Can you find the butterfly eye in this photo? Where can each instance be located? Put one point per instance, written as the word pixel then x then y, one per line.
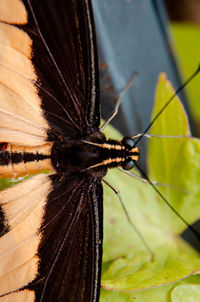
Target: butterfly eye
pixel 128 164
pixel 128 142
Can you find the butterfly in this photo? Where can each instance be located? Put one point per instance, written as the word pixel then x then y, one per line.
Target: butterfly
pixel 52 224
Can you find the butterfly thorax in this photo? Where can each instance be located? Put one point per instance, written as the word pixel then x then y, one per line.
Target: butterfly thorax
pixel 93 155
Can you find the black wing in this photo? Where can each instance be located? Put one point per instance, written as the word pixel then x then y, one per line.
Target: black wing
pixel 50 246
pixel 60 259
pixel 48 60
pixel 71 248
pixel 65 62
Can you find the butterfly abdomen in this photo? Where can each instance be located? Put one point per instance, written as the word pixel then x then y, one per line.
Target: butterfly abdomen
pixel 17 160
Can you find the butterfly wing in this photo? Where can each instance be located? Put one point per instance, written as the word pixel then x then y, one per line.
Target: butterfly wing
pixel 57 257
pixel 51 227
pixel 70 260
pixel 65 60
pixel 48 66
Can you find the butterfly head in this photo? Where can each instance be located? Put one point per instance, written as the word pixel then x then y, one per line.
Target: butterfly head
pixel 131 153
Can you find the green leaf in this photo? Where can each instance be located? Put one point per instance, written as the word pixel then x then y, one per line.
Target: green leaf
pixel 166 293
pixel 187 42
pixel 4 183
pixel 128 272
pixel 174 161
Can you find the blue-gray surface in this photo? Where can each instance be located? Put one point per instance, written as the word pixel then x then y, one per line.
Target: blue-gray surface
pixel 132 37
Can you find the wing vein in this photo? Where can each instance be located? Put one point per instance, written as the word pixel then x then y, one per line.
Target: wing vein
pixel 45 91
pixel 52 58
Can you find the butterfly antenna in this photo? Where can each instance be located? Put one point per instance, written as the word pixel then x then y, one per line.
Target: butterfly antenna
pixel 168 204
pixel 170 100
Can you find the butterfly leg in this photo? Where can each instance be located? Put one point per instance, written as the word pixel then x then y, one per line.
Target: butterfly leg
pixel 129 218
pixel 118 101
